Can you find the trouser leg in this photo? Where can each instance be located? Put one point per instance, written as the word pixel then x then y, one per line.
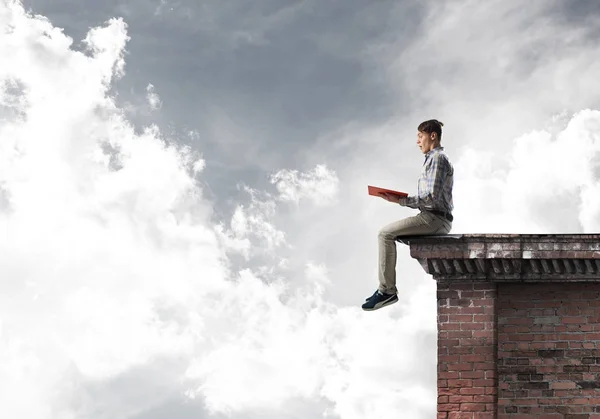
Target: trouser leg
pixel 421 224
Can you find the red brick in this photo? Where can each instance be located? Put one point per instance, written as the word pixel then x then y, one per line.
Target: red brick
pixel 474 310
pixel 454 334
pixel 464 286
pixel 473 407
pixel 573 336
pixel 460 415
pixel 460 383
pixel 450 310
pixel 483 302
pixel 461 399
pixel 446 391
pixel 484 399
pixel 461 350
pixel 483 383
pixel 485 366
pixel 472 326
pixel 483 318
pixel 461 318
pixel 449 358
pixel 484 334
pixel 519 320
pixel 449 326
pixel 519 337
pixel 479 294
pixel 473 390
pixel 473 358
pixel 487 349
pixel 448 407
pixel 473 374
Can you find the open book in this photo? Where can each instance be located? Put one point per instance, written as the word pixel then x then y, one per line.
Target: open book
pixel 376 191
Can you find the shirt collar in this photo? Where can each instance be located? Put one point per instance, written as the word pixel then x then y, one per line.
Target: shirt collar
pixel 435 150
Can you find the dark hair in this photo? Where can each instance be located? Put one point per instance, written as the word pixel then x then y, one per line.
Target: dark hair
pixel 433 125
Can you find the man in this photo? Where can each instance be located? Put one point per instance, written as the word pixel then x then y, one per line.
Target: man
pixel 433 199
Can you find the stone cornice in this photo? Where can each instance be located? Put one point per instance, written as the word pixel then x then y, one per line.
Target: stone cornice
pixel 509 257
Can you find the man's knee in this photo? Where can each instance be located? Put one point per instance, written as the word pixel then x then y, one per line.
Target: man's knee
pixel 386 235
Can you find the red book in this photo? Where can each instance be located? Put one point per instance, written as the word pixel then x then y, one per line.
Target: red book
pixel 376 191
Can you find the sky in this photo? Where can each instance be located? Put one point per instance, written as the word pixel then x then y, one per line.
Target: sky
pixel 185 225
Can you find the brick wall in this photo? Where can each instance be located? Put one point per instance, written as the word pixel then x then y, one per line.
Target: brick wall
pixel 518 324
pixel 548 351
pixel 467 350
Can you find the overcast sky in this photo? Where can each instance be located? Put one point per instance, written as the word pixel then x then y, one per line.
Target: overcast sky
pixel 185 225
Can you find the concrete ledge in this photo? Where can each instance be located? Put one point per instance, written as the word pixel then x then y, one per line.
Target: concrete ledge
pixel 508 257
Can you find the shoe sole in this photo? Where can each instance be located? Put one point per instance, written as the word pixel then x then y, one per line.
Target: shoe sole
pixel 382 304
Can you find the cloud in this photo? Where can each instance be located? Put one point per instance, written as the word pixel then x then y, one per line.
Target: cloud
pixel 153 98
pixel 319 185
pixel 549 184
pixel 106 238
pixel 251 232
pixel 305 347
pixel 252 226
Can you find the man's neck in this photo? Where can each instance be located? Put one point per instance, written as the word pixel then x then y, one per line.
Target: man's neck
pixel 433 147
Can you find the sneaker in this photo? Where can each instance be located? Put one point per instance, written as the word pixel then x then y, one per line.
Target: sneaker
pixel 374 294
pixel 379 300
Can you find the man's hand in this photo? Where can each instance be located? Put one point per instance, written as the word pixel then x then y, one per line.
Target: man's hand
pixel 389 197
pixel 393 198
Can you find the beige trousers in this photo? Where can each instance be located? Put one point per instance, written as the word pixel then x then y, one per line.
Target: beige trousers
pixel 424 223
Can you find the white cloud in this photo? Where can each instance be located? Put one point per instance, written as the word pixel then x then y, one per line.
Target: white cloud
pixel 251 231
pixel 549 184
pixel 153 98
pixel 320 185
pixel 305 347
pixel 93 253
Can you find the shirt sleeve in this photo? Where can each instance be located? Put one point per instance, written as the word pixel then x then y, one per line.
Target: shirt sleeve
pixel 412 201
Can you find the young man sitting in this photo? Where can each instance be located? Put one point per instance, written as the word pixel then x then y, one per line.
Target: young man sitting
pixel 433 199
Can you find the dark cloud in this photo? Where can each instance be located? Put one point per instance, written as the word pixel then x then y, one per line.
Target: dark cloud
pixel 577 11
pixel 258 83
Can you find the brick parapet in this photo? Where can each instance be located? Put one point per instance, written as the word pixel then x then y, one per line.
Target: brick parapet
pixel 467 350
pixel 518 324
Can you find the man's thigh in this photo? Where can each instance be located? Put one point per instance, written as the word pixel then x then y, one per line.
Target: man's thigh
pixel 422 223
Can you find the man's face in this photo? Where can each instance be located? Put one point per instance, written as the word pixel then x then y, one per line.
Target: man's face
pixel 424 141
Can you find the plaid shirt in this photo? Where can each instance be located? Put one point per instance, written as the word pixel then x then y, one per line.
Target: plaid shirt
pixel 435 183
